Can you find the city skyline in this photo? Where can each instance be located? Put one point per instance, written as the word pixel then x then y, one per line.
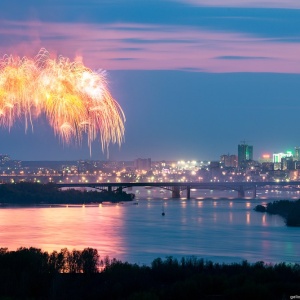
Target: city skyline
pixel 244 153
pixel 193 77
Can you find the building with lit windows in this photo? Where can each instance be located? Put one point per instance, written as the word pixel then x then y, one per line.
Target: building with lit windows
pixel 283 161
pixel 277 157
pixel 230 161
pixel 297 154
pixel 245 154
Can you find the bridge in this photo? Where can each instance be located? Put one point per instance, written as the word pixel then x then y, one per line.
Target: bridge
pixel 177 187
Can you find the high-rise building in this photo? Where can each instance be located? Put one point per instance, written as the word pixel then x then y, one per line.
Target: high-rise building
pixel 245 153
pixel 297 154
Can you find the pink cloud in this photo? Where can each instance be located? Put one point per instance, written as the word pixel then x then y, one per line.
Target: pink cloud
pixel 150 47
pixel 247 3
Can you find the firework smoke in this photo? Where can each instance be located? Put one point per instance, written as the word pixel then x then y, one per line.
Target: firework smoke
pixel 75 100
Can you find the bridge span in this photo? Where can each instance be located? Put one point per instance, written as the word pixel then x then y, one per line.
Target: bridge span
pixel 177 187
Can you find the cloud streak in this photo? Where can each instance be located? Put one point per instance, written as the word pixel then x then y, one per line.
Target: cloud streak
pixel 151 47
pixel 264 21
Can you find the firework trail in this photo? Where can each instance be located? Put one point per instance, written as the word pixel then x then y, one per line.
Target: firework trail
pixel 74 99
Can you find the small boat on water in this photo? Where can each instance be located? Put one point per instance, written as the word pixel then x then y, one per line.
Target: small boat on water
pixel 162 211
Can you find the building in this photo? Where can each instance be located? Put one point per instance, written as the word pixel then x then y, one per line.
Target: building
pixel 245 154
pixel 287 163
pixel 297 154
pixel 215 170
pixel 282 160
pixel 277 157
pixel 266 157
pixel 229 161
pixel 142 164
pixel 267 167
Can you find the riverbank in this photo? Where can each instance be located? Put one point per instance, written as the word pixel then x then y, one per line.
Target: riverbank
pixel 25 193
pixel 289 210
pixel 30 273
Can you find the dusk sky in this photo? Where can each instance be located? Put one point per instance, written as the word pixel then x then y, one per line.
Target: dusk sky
pixel 194 77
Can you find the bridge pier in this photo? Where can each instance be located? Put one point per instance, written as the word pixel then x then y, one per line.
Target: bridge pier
pixel 254 192
pixel 175 192
pixel 241 192
pixel 188 192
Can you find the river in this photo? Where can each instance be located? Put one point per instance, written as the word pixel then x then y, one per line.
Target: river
pixel 218 229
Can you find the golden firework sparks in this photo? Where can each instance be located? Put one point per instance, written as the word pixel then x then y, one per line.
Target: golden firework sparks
pixel 75 99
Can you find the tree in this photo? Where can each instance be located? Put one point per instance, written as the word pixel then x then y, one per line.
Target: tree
pixel 90 260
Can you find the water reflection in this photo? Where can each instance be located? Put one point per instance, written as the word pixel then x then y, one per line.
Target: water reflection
pixel 248 217
pixel 153 193
pixel 230 217
pixel 223 230
pixel 263 220
pixel 53 228
pixel 215 217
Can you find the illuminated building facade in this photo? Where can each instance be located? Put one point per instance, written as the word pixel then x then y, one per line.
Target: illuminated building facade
pixel 277 157
pixel 265 158
pixel 283 161
pixel 245 154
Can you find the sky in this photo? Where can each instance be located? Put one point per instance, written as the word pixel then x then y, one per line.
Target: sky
pixel 194 77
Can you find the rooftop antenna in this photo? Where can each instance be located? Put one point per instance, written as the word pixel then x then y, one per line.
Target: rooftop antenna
pixel 244 142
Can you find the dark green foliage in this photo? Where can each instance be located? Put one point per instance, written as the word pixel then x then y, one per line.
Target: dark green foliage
pixel 26 193
pixel 289 210
pixel 30 273
pixel 260 208
pixel 89 260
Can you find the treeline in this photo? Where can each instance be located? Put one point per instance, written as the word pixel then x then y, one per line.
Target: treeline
pixel 289 210
pixel 30 273
pixel 25 193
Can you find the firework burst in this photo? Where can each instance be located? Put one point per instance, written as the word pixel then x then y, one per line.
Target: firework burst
pixel 75 100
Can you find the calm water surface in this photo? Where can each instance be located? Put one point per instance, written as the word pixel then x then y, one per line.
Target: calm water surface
pixel 221 230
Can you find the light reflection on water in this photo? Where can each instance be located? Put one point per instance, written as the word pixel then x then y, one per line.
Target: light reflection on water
pixel 221 230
